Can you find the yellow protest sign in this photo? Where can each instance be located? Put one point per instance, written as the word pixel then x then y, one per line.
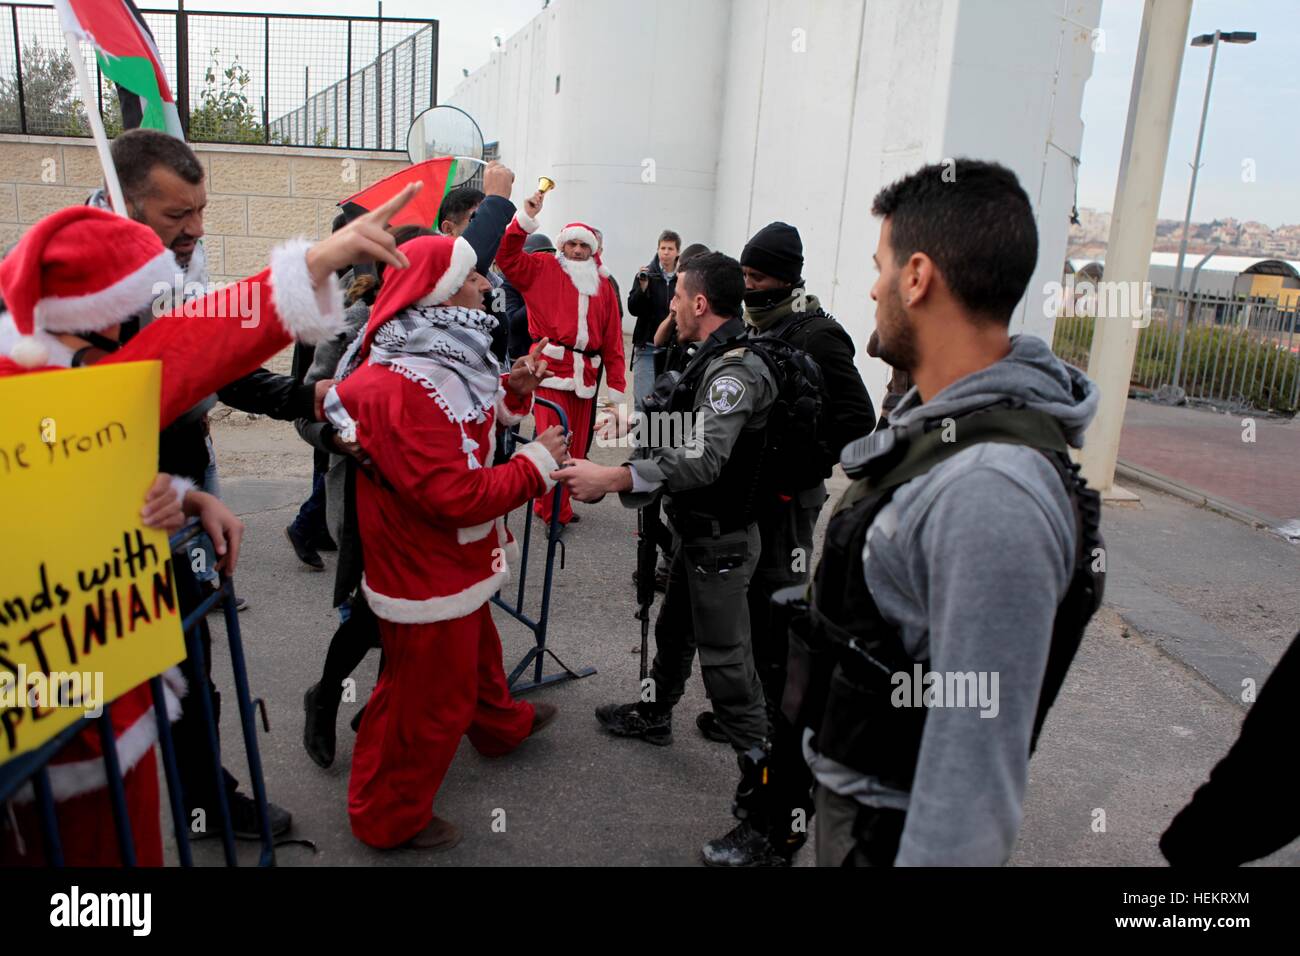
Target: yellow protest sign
pixel 87 603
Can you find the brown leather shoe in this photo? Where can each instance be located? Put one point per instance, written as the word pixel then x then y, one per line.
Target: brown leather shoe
pixel 440 834
pixel 543 714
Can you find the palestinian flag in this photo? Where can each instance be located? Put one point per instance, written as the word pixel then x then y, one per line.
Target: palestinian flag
pixel 127 55
pixel 437 176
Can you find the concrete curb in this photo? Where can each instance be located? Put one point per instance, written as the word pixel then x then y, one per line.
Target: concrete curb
pixel 1153 479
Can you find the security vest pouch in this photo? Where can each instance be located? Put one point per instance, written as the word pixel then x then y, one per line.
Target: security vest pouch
pixel 843 655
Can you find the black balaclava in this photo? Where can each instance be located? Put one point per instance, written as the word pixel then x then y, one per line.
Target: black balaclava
pixel 777 251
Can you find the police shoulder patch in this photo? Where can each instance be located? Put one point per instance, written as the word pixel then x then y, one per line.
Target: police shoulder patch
pixel 725 393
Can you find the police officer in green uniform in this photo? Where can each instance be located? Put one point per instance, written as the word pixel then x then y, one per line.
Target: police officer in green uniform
pixel 701 445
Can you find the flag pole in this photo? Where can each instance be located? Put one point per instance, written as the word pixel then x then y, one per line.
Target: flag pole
pixel 73 40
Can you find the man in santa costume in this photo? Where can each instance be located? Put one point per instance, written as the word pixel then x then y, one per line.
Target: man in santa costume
pixel 421 392
pixel 571 306
pixel 68 285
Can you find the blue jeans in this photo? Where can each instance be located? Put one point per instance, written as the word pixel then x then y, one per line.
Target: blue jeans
pixel 643 373
pixel 212 486
pixel 310 522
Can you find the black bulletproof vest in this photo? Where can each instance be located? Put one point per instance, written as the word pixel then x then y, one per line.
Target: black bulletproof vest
pixel 859 725
pixel 731 502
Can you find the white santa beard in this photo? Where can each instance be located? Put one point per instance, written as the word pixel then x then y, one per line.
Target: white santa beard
pixel 582 274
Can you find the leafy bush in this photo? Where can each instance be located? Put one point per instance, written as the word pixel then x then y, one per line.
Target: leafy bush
pixel 222 112
pixel 1219 362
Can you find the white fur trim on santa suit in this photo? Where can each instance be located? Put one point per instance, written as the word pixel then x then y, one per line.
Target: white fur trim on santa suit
pixel 476 533
pixel 448 607
pixel 578 387
pixel 526 222
pixel 577 234
pixel 463 261
pixel 32 351
pixel 583 334
pixel 181 487
pixel 112 304
pixel 577 382
pixel 511 546
pixel 617 398
pixel 506 417
pixel 70 780
pixel 310 315
pixel 174 681
pixel 541 459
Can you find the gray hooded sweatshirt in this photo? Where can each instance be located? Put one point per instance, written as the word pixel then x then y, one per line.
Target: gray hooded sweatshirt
pixel 970 561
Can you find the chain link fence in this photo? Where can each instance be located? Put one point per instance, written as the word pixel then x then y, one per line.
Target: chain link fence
pixel 1240 352
pixel 279 79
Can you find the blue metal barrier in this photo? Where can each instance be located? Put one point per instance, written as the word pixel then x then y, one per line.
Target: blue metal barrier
pixel 536 655
pixel 32 766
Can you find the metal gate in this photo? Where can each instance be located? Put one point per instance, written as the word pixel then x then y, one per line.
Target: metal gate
pixel 33 767
pixel 536 655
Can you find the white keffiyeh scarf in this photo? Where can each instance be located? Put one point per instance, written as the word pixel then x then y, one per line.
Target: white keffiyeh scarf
pixel 446 349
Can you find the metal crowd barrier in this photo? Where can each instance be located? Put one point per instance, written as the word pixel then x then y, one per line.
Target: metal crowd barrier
pixel 537 654
pixel 32 766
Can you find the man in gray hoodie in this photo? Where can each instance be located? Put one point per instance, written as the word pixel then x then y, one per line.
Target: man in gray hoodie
pixel 969 561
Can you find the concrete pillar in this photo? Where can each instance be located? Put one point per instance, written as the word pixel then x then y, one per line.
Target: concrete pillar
pixel 1132 227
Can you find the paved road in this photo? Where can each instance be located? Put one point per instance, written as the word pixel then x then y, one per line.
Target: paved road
pixel 1252 460
pixel 1135 731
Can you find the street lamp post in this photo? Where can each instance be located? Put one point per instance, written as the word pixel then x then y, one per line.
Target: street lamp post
pixel 1210 40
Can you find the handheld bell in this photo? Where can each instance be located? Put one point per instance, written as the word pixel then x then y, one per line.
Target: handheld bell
pixel 545 184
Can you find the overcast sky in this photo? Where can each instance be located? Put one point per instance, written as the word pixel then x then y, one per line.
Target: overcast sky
pixel 1253 113
pixel 465 27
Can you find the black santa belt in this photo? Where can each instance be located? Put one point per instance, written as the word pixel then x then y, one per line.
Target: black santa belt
pixel 590 353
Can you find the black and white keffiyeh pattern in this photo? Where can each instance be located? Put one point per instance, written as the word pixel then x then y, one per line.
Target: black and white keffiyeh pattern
pixel 446 349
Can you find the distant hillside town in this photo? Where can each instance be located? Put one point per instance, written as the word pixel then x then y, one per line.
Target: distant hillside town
pixel 1233 237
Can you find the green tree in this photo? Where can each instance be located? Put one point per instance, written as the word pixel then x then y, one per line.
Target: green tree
pixel 223 113
pixel 51 96
pixel 49 93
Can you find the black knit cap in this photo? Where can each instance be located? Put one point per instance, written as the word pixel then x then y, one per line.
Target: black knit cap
pixel 777 251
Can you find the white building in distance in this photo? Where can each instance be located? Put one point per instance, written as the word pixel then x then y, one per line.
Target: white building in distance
pixel 715 117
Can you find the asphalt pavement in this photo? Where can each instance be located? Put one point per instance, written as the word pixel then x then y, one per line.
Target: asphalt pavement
pixel 1138 726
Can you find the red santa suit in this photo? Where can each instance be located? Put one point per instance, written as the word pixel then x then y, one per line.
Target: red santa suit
pixel 430 508
pixel 83 269
pixel 582 323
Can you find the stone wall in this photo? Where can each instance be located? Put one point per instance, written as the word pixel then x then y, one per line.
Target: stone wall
pixel 257 195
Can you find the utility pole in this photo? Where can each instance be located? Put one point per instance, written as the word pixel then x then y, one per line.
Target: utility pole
pixel 1133 226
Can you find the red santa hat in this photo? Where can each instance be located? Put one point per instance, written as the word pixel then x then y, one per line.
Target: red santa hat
pixel 81 269
pixel 581 232
pixel 439 267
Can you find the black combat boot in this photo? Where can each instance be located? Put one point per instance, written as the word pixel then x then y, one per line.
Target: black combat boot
pixel 744 846
pixel 637 720
pixel 749 842
pixel 708 725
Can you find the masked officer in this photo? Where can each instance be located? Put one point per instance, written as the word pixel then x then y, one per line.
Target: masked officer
pixel 708 465
pixel 777 305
